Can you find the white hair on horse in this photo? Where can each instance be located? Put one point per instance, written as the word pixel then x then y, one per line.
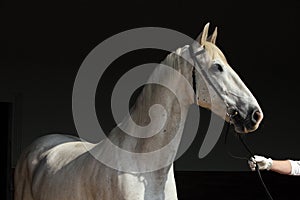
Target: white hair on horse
pixel 61 167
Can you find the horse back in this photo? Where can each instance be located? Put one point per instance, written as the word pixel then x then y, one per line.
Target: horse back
pixel 32 162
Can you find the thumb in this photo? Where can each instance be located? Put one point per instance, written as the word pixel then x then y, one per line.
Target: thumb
pixel 259 158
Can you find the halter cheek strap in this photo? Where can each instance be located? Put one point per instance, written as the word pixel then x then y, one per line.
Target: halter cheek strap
pixel 194 85
pixel 193 56
pixel 216 88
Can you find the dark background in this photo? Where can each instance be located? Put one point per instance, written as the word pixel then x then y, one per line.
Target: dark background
pixel 43 44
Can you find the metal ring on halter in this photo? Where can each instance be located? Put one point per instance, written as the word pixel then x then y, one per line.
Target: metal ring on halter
pixel 231 112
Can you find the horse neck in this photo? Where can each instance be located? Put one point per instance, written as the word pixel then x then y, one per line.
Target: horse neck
pixel 175 113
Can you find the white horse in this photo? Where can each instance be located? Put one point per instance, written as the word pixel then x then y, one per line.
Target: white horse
pixel 62 167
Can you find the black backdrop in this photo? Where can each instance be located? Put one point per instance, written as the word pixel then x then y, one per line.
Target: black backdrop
pixel 45 43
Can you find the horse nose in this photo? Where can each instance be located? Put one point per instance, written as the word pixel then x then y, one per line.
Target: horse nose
pixel 256 116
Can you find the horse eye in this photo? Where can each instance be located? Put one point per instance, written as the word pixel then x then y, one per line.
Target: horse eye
pixel 218 67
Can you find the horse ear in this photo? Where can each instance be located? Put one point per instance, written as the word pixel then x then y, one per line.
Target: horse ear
pixel 203 35
pixel 213 37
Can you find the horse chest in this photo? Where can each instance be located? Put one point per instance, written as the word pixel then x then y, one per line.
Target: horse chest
pixel 147 186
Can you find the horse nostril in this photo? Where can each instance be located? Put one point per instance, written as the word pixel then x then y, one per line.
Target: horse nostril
pixel 256 116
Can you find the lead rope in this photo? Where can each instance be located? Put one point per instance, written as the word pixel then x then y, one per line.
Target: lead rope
pixel 251 156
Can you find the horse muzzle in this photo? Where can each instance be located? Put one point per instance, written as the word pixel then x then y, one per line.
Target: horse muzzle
pixel 246 124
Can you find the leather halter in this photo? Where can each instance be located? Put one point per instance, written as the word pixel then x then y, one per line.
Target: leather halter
pixel 230 111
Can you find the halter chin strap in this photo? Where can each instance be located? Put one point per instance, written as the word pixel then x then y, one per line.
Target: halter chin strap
pixel 230 111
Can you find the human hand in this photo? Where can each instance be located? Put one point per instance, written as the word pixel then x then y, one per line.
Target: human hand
pixel 262 162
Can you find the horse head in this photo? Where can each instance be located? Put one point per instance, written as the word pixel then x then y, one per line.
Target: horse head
pixel 219 88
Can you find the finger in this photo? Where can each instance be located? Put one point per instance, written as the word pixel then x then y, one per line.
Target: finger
pixel 251 164
pixel 252 160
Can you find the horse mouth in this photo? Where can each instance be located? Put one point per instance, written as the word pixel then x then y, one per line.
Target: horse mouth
pixel 243 129
pixel 245 125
